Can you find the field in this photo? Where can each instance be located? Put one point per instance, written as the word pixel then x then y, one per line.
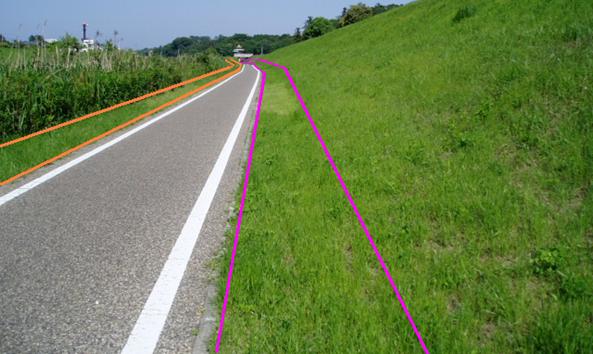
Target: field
pixel 464 131
pixel 136 75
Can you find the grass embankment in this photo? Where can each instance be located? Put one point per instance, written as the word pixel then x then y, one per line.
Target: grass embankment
pixel 468 146
pixel 24 155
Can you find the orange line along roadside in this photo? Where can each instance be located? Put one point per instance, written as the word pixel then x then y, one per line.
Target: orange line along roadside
pixel 119 127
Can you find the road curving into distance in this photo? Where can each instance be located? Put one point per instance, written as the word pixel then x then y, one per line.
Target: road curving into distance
pixel 81 249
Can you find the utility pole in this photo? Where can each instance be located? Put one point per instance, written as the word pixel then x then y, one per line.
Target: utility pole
pixel 261 52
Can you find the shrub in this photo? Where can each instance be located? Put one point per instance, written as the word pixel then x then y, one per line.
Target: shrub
pixel 464 12
pixel 576 33
pixel 316 27
pixel 545 261
pixel 355 13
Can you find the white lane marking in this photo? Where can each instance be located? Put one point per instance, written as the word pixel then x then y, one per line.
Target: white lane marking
pixel 51 174
pixel 148 327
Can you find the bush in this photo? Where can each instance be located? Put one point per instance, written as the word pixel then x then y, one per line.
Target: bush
pixel 355 13
pixel 316 27
pixel 574 33
pixel 545 261
pixel 464 12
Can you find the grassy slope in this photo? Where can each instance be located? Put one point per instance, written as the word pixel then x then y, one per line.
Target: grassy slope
pixel 469 149
pixel 21 156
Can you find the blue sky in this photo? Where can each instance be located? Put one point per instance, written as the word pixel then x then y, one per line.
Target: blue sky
pixel 149 23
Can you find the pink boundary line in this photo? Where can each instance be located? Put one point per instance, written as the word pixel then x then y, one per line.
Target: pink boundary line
pixel 349 196
pixel 342 184
pixel 240 216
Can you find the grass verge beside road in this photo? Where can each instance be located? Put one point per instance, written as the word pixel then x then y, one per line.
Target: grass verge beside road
pixel 21 156
pixel 464 131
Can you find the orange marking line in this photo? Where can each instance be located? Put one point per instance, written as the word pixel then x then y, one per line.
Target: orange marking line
pixel 121 104
pixel 119 127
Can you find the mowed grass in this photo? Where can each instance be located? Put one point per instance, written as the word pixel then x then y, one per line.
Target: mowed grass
pixel 468 147
pixel 24 155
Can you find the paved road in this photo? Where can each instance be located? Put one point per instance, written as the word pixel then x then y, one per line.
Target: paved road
pixel 80 253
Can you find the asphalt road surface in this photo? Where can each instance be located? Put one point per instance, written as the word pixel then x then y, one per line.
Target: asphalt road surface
pixel 81 253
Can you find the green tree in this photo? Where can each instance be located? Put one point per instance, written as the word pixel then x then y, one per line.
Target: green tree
pixel 379 8
pixel 182 43
pixel 298 36
pixel 355 13
pixel 4 42
pixel 68 41
pixel 223 44
pixel 109 46
pixel 36 39
pixel 318 26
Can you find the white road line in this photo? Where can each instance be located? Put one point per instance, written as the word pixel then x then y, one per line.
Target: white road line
pixel 51 174
pixel 148 327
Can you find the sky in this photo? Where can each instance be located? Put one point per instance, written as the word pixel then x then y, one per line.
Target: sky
pixel 150 23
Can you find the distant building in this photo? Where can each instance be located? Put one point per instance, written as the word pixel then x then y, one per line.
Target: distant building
pixel 240 54
pixel 50 40
pixel 87 43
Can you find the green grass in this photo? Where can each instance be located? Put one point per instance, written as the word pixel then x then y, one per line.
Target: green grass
pixel 468 147
pixel 21 156
pixel 5 53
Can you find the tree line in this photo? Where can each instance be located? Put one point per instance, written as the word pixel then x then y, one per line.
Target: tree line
pixel 65 42
pixel 266 43
pixel 318 26
pixel 224 45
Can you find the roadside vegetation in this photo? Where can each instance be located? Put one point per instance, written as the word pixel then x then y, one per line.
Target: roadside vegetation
pixel 464 130
pixel 41 87
pixel 44 85
pixel 24 155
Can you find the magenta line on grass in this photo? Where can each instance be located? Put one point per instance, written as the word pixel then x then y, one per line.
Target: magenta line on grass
pixel 349 196
pixel 240 216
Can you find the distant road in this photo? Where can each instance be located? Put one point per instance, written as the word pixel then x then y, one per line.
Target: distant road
pixel 81 252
